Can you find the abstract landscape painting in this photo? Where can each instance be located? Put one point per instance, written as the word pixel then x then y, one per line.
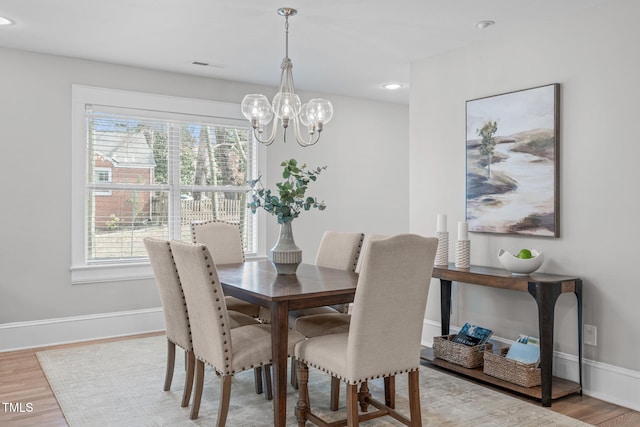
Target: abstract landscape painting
pixel 512 165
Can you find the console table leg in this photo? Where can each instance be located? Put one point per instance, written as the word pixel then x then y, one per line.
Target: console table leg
pixel 578 293
pixel 445 305
pixel 546 295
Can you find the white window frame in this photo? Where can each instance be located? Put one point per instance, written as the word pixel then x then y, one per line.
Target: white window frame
pixel 81 271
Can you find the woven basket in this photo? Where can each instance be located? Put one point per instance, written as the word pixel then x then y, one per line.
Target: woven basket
pixel 460 354
pixel 522 374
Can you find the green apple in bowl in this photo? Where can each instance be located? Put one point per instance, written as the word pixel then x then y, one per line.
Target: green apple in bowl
pixel 525 254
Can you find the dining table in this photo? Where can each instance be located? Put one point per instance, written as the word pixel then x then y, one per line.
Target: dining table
pixel 311 286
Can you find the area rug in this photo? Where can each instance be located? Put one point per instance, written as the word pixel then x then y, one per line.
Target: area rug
pixel 120 384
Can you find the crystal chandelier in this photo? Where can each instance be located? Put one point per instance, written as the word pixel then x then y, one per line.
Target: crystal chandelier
pixel 286 105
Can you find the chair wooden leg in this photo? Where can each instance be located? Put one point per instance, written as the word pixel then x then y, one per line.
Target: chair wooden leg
pixel 199 383
pixel 294 373
pixel 414 399
pixel 390 391
pixel 303 406
pixel 257 379
pixel 335 393
pixel 225 396
pixel 188 380
pixel 171 361
pixel 352 405
pixel 267 383
pixel 363 396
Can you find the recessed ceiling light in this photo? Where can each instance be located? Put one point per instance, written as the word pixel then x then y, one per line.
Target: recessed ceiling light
pixel 484 24
pixel 392 86
pixel 5 21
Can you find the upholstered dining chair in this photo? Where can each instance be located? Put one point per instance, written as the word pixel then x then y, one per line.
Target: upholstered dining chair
pixel 339 250
pixel 384 336
pixel 224 241
pixel 228 351
pixel 315 325
pixel 176 318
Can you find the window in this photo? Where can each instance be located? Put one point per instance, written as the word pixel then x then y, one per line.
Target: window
pixel 148 165
pixel 103 175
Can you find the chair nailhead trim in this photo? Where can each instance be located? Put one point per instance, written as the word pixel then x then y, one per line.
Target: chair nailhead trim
pixel 360 380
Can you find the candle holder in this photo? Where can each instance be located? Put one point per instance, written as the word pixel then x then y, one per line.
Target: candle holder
pixel 463 251
pixel 442 253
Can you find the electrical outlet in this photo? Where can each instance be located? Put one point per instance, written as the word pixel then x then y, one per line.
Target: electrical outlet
pixel 590 334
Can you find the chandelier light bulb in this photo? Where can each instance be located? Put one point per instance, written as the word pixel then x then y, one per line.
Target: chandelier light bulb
pixel 286 105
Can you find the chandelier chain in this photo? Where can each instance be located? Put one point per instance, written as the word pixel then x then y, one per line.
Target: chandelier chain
pixel 286 37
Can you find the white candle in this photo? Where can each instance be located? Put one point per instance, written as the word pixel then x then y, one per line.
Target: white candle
pixel 442 223
pixel 463 230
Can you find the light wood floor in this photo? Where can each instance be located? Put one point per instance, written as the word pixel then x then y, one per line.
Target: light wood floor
pixel 23 381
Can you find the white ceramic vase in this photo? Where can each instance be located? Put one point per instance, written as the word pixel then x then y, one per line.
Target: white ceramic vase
pixel 285 255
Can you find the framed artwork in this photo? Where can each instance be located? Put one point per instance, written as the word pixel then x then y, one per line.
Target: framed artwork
pixel 512 162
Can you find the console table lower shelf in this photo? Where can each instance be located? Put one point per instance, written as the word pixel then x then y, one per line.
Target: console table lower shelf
pixel 560 388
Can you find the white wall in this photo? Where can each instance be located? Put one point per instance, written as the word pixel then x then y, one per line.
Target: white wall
pixel 365 148
pixel 595 58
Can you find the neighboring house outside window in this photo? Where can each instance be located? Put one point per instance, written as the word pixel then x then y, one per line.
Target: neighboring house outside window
pixel 154 165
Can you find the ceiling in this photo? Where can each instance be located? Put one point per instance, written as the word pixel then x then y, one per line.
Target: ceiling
pixel 347 47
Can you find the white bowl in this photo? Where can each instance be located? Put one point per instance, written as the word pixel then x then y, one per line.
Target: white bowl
pixel 520 266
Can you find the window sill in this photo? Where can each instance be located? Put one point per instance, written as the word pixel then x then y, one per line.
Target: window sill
pixel 119 272
pixel 110 273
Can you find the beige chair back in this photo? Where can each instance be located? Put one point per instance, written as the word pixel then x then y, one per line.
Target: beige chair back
pixel 368 238
pixel 223 239
pixel 176 317
pixel 389 306
pixel 339 250
pixel 207 309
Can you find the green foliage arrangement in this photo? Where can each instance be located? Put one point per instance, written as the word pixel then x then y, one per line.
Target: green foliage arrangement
pixel 291 199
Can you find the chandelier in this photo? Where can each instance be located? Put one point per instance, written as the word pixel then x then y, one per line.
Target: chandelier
pixel 286 105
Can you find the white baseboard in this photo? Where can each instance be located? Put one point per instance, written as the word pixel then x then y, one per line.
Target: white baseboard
pixel 610 383
pixel 40 333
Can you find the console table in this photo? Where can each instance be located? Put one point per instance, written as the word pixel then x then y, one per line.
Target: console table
pixel 545 289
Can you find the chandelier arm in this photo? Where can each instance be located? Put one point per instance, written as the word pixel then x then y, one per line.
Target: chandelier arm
pixel 283 74
pixel 313 139
pixel 267 142
pixel 271 138
pixel 291 88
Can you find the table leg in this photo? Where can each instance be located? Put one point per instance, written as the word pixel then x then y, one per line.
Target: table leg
pixel 445 305
pixel 578 293
pixel 546 295
pixel 279 344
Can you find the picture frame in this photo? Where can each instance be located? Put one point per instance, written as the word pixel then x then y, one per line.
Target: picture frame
pixel 512 162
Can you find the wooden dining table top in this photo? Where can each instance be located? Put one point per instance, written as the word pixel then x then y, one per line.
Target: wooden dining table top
pixel 259 282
